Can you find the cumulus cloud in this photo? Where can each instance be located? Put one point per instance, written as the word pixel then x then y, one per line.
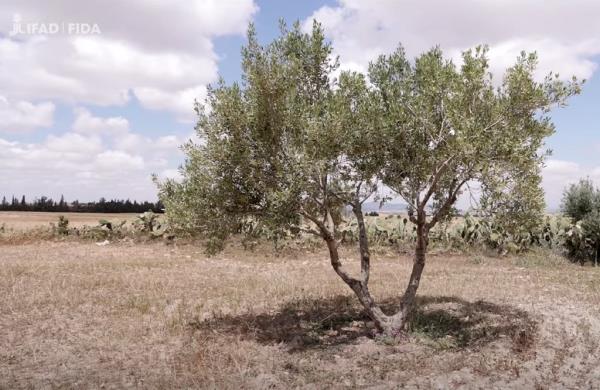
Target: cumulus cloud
pixel 73 145
pixel 559 174
pixel 567 36
pixel 116 134
pixel 86 123
pixel 118 161
pixel 171 174
pixel 160 52
pixel 175 25
pixel 99 156
pixel 181 102
pixel 23 115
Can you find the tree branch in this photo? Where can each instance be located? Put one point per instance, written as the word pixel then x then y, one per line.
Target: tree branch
pixel 310 231
pixel 323 231
pixel 450 200
pixel 363 241
pixel 434 180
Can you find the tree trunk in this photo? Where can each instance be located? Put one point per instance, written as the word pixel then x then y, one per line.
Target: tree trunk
pixel 400 320
pixel 363 244
pixel 394 325
pixel 360 288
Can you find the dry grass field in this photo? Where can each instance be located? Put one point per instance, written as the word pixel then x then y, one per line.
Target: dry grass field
pixel 19 220
pixel 79 315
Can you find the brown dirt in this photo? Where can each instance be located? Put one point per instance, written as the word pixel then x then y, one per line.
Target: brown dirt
pixel 77 315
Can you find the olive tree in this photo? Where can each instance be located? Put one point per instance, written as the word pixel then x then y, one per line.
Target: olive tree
pixel 444 127
pixel 581 203
pixel 291 147
pixel 580 199
pixel 273 153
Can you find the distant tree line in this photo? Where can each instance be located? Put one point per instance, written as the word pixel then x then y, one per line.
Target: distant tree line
pixel 45 203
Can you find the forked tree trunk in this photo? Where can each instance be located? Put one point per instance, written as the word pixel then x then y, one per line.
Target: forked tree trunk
pixel 360 288
pixel 389 325
pixel 400 320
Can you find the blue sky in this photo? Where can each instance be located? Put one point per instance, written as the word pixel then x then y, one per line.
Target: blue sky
pixel 91 115
pixel 577 135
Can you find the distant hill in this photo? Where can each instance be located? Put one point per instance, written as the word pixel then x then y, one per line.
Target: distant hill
pixel 399 207
pixel 392 207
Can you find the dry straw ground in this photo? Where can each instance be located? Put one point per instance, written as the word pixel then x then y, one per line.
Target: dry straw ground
pixel 78 315
pixel 18 220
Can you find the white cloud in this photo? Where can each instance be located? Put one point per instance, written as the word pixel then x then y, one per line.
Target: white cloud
pixel 161 51
pixel 118 161
pixel 115 133
pixel 76 166
pixel 171 174
pixel 71 151
pixel 181 102
pixel 23 115
pixel 567 36
pixel 99 157
pixel 155 25
pixel 86 123
pixel 158 52
pixel 74 143
pixel 134 142
pixel 561 169
pixel 168 142
pixel 559 174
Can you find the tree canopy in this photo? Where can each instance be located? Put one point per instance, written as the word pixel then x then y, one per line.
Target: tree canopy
pixel 580 199
pixel 295 144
